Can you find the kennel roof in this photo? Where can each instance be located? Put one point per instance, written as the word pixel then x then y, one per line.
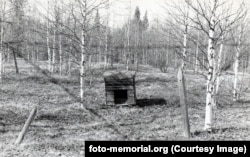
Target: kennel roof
pixel 119 78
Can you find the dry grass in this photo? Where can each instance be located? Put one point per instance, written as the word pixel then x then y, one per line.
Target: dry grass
pixel 61 126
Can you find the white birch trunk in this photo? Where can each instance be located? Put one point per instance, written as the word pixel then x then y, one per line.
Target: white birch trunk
pixel 184 55
pixel 2 58
pixel 107 37
pixel 1 45
pixel 236 67
pixel 60 54
pixel 54 52
pixel 70 60
pixel 99 50
pixel 248 64
pixel 128 50
pixel 219 68
pixel 128 37
pixel 48 42
pixel 210 77
pixel 83 53
pixel 197 53
pixel 168 45
pixel 236 70
pixel 175 60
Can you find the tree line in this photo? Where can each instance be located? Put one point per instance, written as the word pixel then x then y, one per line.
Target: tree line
pixel 207 37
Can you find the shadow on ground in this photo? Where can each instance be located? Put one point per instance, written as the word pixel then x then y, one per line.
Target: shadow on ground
pixel 219 131
pixel 150 102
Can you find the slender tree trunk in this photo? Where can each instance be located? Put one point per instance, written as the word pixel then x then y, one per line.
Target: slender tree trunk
pixel 197 53
pixel 60 55
pixel 236 67
pixel 107 37
pixel 137 46
pixel 203 61
pixel 48 43
pixel 156 57
pixel 54 52
pixel 1 48
pixel 3 5
pixel 128 55
pixel 236 70
pixel 70 59
pixel 37 46
pixel 210 77
pixel 99 50
pixel 184 54
pixel 106 53
pixel 15 62
pixel 83 53
pixel 111 57
pixel 34 47
pixel 28 57
pixel 37 55
pixel 235 90
pixel 175 60
pixel 1 63
pixel 8 53
pixel 2 17
pixel 128 49
pixel 90 61
pixel 69 65
pixel 248 63
pixel 167 55
pixel 219 69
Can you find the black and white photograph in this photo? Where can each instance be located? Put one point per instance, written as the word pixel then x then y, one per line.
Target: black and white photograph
pixel 73 71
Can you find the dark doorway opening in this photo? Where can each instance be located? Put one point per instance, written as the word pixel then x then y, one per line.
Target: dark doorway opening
pixel 121 96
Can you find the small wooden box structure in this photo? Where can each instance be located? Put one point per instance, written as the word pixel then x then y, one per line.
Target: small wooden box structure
pixel 120 87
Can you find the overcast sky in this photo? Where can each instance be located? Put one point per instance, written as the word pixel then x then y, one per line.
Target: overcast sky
pixel 119 10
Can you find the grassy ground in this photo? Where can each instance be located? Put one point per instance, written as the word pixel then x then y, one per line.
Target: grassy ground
pixel 61 125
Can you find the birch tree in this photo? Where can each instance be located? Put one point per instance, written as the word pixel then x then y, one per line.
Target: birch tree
pixel 60 37
pixel 2 17
pixel 56 22
pixel 83 52
pixel 107 36
pixel 210 13
pixel 186 18
pixel 178 21
pixel 17 7
pixel 48 38
pixel 128 55
pixel 238 36
pixel 211 68
pixel 219 66
pixel 197 52
pixel 145 25
pixel 82 14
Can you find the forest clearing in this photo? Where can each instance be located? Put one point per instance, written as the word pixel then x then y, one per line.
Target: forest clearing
pixel 79 70
pixel 61 126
